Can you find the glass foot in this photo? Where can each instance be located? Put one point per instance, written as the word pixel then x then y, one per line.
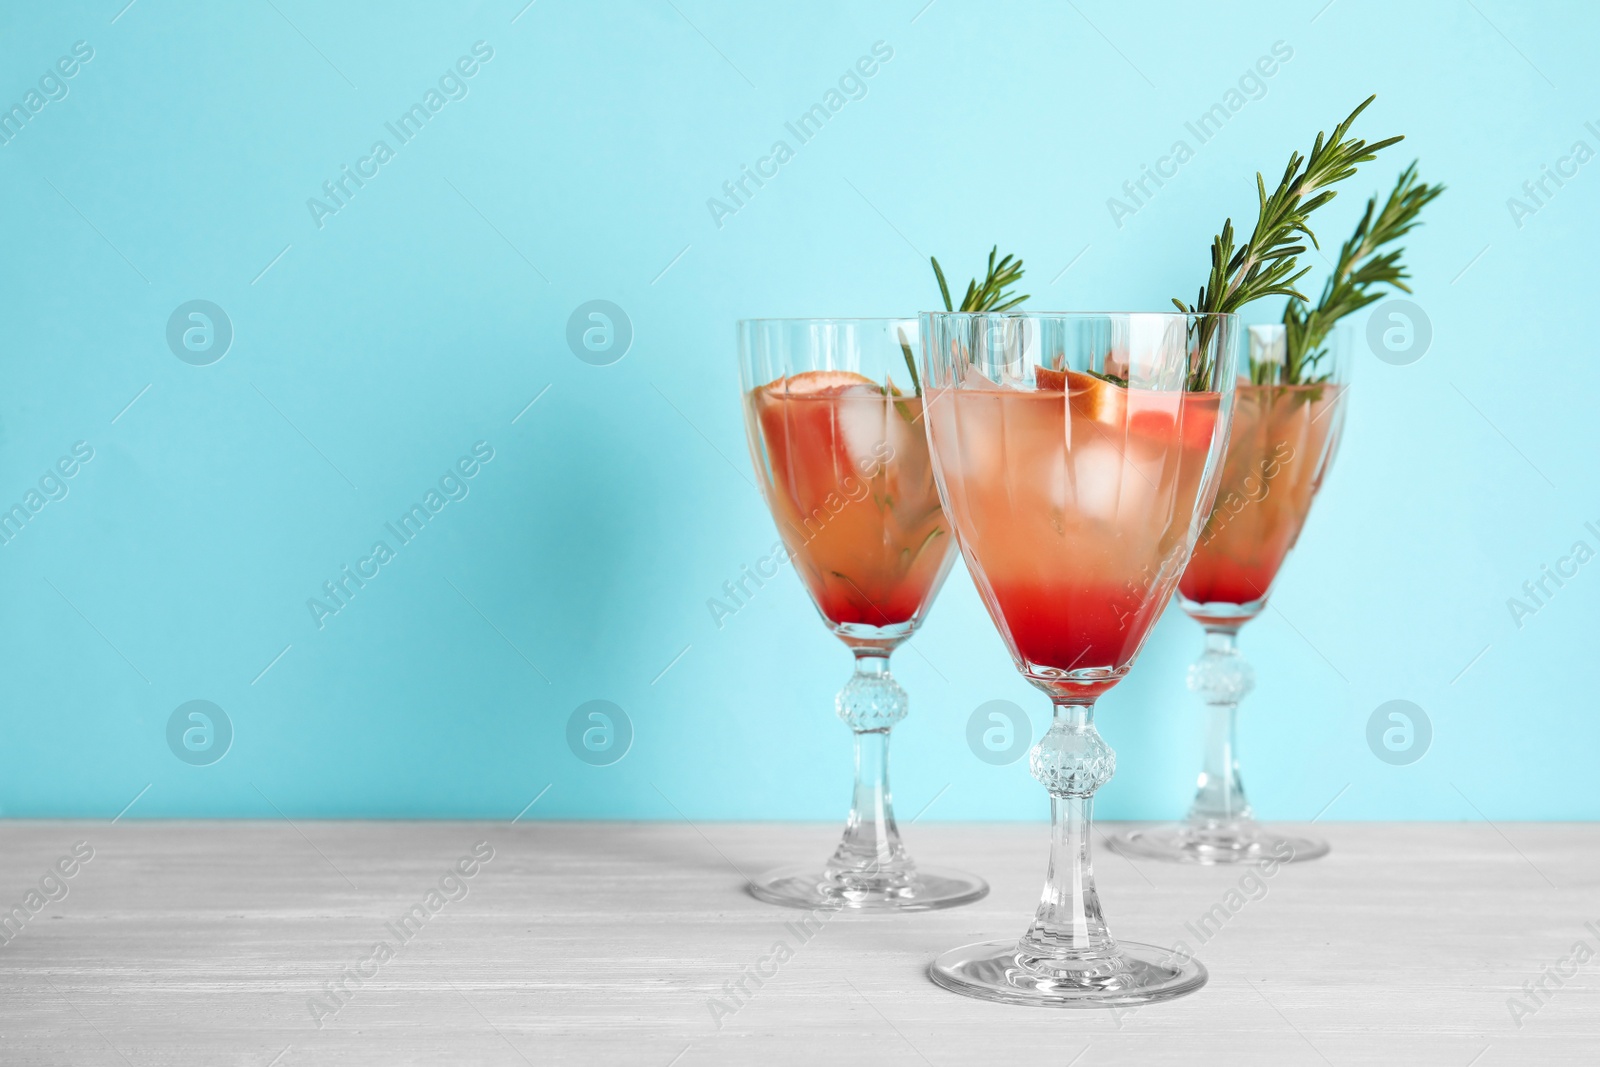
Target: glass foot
pixel 923 889
pixel 1222 844
pixel 1004 971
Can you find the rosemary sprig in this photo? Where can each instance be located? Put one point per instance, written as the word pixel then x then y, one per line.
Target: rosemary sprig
pixel 993 295
pixel 1265 265
pixel 1358 278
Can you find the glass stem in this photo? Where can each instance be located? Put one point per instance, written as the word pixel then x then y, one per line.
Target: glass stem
pixel 1222 678
pixel 1072 761
pixel 870 857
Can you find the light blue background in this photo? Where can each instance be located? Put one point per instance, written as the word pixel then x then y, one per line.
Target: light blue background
pixel 427 313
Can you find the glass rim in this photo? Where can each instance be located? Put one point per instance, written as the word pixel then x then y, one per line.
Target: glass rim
pixel 847 320
pixel 1079 314
pixel 843 320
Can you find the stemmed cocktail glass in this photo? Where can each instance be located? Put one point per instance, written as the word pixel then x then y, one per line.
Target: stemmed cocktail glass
pixel 1283 440
pixel 834 415
pixel 1077 456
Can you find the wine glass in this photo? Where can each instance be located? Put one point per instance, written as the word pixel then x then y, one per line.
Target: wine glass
pixel 1077 456
pixel 833 413
pixel 1287 422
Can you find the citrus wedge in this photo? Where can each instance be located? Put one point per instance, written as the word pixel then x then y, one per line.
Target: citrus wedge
pixel 1091 397
pixel 1097 399
pixel 1049 381
pixel 822 383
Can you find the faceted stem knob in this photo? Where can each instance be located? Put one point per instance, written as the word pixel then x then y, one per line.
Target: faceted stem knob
pixel 1072 759
pixel 1221 675
pixel 871 699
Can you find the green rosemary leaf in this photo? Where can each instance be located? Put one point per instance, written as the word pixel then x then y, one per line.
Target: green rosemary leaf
pixel 944 290
pixel 926 541
pixel 911 364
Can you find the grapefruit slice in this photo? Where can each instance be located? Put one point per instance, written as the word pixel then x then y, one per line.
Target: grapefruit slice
pixel 823 430
pixel 1193 418
pixel 1048 380
pixel 1092 398
pixel 1097 399
pixel 821 383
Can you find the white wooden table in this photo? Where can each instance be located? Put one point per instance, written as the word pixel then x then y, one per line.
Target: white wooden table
pixel 596 943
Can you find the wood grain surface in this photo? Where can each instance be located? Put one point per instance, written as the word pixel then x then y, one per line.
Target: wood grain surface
pixel 598 943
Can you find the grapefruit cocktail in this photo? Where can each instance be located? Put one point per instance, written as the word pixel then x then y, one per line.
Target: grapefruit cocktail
pixel 1283 439
pixel 1288 420
pixel 1076 456
pixel 834 416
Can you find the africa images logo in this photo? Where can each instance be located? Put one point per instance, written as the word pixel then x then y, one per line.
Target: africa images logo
pixel 852 85
pixel 341 189
pixel 53 88
pixel 454 485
